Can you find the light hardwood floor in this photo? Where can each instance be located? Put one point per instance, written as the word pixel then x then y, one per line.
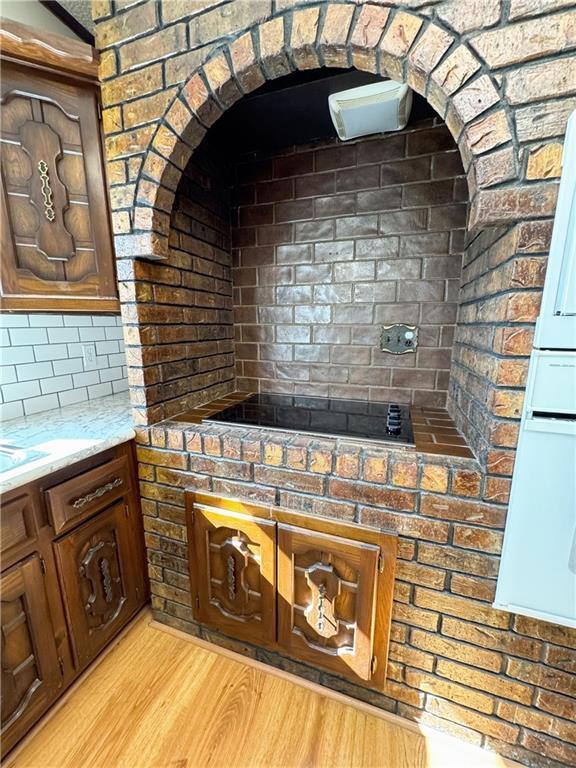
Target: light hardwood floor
pixel 160 699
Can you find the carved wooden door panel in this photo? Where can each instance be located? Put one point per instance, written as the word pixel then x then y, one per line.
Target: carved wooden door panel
pixel 100 578
pixel 30 670
pixel 234 578
pixel 327 600
pixel 56 249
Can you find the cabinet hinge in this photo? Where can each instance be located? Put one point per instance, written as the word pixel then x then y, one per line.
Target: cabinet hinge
pixel 380 563
pixel 99 108
pixel 373 664
pixel 43 565
pixel 61 665
pixel 197 602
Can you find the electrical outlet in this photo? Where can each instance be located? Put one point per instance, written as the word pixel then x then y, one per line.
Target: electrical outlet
pixel 89 355
pixel 398 339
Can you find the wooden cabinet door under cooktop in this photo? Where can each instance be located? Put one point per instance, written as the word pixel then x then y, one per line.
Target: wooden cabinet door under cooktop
pixel 326 600
pixel 56 239
pixel 315 589
pixel 235 561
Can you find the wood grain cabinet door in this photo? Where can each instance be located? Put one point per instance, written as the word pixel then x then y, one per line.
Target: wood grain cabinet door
pixel 30 666
pixel 56 239
pixel 327 600
pixel 102 581
pixel 234 574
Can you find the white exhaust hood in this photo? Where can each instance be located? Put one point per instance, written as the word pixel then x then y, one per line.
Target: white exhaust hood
pixel 375 108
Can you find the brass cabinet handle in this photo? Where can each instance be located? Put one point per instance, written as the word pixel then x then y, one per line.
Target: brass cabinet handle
pixel 46 191
pixel 320 607
pixel 83 500
pixel 231 577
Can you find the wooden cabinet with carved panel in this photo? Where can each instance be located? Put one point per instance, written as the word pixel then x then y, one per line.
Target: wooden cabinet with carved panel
pixel 102 582
pixel 318 590
pixel 56 238
pixel 73 574
pixel 235 563
pixel 30 670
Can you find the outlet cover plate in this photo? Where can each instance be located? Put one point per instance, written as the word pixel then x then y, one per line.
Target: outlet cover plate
pixel 399 339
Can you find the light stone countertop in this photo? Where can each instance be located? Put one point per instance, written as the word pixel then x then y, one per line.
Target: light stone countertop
pixel 65 436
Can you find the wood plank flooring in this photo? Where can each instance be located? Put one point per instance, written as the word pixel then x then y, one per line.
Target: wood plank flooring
pixel 161 699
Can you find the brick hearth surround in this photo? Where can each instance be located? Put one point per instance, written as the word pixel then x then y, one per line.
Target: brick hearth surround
pixel 501 75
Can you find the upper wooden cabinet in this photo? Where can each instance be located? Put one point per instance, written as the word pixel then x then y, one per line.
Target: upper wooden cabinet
pixel 56 238
pixel 318 590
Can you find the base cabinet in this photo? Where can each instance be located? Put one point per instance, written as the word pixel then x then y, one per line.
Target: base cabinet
pixel 31 674
pixel 235 558
pixel 327 593
pixel 101 586
pixel 315 589
pixel 73 575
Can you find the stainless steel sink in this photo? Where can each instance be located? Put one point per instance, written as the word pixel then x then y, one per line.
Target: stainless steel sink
pixel 11 456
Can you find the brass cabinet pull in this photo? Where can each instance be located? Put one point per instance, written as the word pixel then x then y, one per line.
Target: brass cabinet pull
pixel 46 191
pixel 83 500
pixel 231 575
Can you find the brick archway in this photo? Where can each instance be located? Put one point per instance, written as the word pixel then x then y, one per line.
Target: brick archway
pixel 391 42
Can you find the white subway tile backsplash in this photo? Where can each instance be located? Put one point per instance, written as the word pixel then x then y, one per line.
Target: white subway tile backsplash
pixel 16 355
pixel 20 391
pixel 76 350
pixel 77 320
pixel 45 321
pixel 30 371
pixel 62 335
pixel 14 321
pixel 93 334
pixel 119 359
pixel 99 390
pixel 73 365
pixel 107 347
pixel 114 333
pixel 105 319
pixel 56 384
pixel 38 404
pixel 110 374
pixel 11 410
pixel 42 361
pixel 73 396
pixel 8 374
pixel 20 337
pixel 50 352
pixel 85 379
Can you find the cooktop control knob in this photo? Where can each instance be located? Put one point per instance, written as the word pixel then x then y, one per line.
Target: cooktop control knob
pixel 393 420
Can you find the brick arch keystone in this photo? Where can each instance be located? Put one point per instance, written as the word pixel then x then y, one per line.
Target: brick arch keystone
pixel 375 38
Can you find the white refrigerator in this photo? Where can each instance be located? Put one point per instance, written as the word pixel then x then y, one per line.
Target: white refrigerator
pixel 538 566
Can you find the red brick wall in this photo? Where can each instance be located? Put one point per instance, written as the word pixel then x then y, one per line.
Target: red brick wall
pixel 492 678
pixel 200 227
pixel 332 242
pixel 500 74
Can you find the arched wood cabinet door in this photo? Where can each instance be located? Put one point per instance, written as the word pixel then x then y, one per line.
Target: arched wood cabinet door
pixel 234 577
pixel 327 601
pixel 30 666
pixel 56 237
pixel 101 579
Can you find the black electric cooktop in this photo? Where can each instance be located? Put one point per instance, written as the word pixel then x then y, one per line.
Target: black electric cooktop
pixel 322 416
